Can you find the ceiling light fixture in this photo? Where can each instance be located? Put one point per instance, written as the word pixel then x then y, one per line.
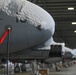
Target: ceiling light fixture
pixel 73 23
pixel 71 8
pixel 75 31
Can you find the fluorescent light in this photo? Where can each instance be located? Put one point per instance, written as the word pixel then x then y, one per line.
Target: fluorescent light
pixel 73 23
pixel 71 8
pixel 75 31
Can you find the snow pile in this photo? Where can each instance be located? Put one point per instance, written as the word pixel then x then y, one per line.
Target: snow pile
pixel 34 14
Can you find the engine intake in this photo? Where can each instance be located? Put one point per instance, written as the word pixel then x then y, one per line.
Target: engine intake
pixel 55 51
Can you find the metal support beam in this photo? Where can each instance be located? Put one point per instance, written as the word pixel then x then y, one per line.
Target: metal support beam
pixel 8 39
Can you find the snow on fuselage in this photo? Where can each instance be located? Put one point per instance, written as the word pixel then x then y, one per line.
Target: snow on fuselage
pixel 25 35
pixel 24 9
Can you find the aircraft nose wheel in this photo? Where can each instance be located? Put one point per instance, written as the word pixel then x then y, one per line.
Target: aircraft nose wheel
pixel 17 69
pixel 23 68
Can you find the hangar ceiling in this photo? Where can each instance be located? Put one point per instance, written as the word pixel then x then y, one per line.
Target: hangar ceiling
pixel 64 30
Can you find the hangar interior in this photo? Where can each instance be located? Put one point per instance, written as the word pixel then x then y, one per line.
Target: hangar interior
pixel 63 12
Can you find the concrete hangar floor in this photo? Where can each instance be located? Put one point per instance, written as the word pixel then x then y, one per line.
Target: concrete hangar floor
pixel 65 71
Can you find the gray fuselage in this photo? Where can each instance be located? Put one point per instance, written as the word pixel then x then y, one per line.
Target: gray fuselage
pixel 22 36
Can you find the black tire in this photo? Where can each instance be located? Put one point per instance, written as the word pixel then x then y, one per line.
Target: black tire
pixel 17 69
pixel 23 68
